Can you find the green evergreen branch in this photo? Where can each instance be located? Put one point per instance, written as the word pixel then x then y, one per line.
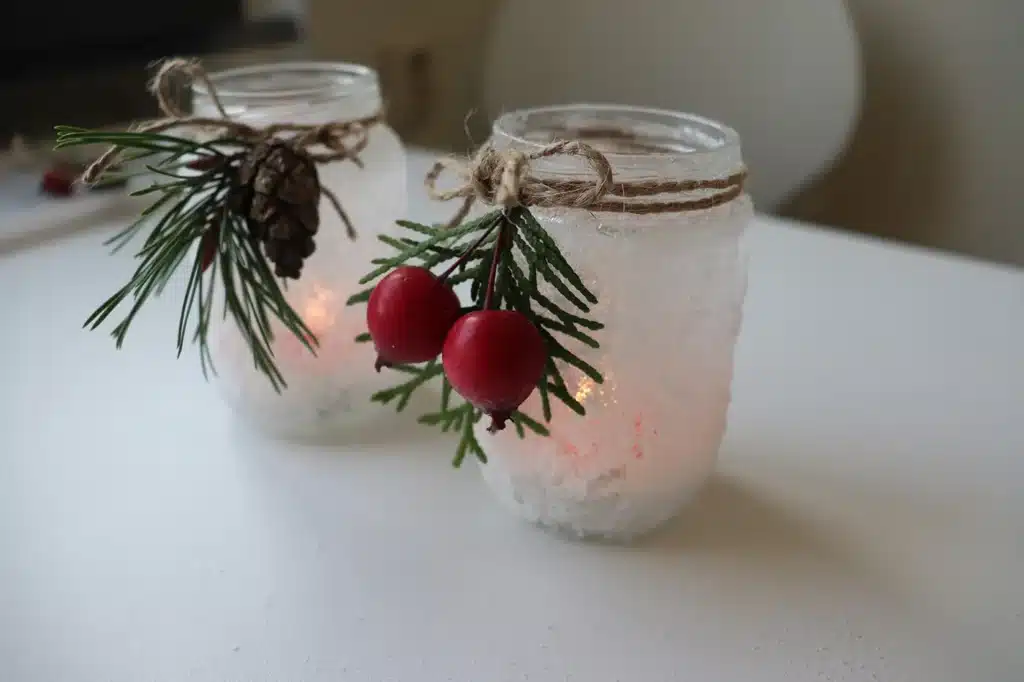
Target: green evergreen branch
pixel 403 392
pixel 559 352
pixel 193 292
pixel 188 207
pixel 521 419
pixel 545 400
pixel 479 279
pixel 360 297
pixel 71 136
pixel 446 394
pixel 535 259
pixel 520 297
pixel 119 240
pixel 546 247
pixel 468 442
pixel 447 418
pixel 543 301
pixel 437 237
pixel 528 254
pixel 459 277
pixel 562 393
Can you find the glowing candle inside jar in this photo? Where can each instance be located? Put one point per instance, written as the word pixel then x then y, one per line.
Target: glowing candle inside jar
pixel 622 468
pixel 601 449
pixel 668 275
pixel 313 398
pixel 334 384
pixel 319 311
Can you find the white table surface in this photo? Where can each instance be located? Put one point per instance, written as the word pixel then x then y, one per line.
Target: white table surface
pixel 867 523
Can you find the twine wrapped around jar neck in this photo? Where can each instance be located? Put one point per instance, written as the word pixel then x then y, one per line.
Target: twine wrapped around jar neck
pixel 341 139
pixel 504 178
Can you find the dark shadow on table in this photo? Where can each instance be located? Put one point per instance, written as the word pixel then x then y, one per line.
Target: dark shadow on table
pixel 729 515
pixel 732 520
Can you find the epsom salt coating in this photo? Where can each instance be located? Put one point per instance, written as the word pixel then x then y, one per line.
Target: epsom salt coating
pixel 615 236
pixel 663 256
pixel 328 392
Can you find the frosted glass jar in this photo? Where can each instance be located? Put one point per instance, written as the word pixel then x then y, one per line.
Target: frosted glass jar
pixel 671 289
pixel 330 391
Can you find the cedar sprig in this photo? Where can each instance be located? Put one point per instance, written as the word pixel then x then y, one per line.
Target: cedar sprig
pixel 530 256
pixel 194 207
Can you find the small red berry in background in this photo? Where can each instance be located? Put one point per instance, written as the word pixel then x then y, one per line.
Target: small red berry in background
pixel 59 181
pixel 208 247
pixel 409 314
pixel 494 359
pixel 205 163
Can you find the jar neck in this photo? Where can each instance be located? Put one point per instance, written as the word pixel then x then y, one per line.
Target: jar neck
pixel 300 92
pixel 639 143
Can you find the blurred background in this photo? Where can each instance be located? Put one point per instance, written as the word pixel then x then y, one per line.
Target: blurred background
pixel 898 118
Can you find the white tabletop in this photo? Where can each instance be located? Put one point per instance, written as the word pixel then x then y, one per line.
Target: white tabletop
pixel 867 523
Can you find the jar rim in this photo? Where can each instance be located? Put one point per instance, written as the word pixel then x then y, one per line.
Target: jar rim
pixel 337 79
pixel 694 135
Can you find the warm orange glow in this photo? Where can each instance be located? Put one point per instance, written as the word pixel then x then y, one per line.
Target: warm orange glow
pixel 605 395
pixel 584 389
pixel 318 311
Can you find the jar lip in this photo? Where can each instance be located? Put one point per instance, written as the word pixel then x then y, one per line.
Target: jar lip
pixel 339 79
pixel 715 137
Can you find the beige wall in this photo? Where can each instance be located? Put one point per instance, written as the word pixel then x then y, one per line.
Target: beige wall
pixel 937 157
pixel 428 52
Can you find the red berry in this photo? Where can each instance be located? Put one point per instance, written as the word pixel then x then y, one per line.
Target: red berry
pixel 494 359
pixel 58 182
pixel 409 314
pixel 205 163
pixel 208 247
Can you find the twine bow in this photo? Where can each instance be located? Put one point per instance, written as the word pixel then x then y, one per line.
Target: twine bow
pixel 341 139
pixel 504 179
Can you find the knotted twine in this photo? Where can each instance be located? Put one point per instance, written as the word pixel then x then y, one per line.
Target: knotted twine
pixel 341 139
pixel 505 179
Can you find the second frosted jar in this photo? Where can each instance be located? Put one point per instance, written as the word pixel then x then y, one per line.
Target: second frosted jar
pixel 330 391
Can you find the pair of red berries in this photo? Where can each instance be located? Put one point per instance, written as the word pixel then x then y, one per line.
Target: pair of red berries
pixel 492 358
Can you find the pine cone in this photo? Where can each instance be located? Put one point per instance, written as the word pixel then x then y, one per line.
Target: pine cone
pixel 279 194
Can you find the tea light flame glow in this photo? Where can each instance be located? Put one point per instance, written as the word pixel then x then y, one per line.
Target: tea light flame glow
pixel 584 389
pixel 318 312
pixel 582 442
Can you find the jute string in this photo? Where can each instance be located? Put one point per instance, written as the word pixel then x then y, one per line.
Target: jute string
pixel 505 178
pixel 340 139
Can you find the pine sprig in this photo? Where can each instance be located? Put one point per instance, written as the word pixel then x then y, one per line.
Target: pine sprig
pixel 438 238
pixel 403 392
pixel 548 250
pixel 527 255
pixel 193 206
pixel 468 443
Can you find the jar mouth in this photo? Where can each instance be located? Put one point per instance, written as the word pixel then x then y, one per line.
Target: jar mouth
pixel 290 82
pixel 620 132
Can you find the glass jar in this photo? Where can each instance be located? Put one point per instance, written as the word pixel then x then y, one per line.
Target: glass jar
pixel 671 289
pixel 329 391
